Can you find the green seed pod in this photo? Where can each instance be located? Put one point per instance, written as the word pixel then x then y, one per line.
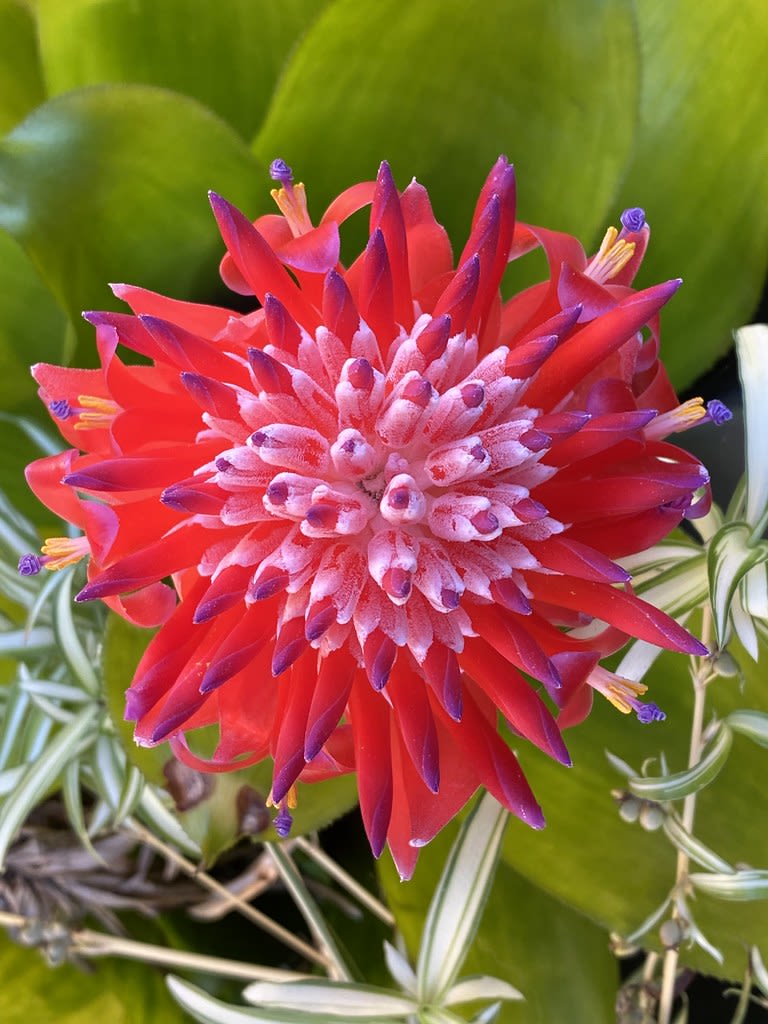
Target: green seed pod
pixel 671 934
pixel 651 816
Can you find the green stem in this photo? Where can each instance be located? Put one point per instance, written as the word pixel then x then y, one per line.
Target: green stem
pixel 700 676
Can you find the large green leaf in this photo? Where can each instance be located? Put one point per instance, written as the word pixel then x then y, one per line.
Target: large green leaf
pixel 21 83
pixel 558 959
pixel 31 324
pixel 118 992
pixel 213 822
pixel 701 169
pixel 441 87
pixel 109 184
pixel 226 54
pixel 616 873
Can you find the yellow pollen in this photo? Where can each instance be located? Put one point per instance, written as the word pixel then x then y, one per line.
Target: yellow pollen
pixel 618 690
pixel 60 552
pixel 291 798
pixel 689 412
pixel 96 412
pixel 614 254
pixel 292 202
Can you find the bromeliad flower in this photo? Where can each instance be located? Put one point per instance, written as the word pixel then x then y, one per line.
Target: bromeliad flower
pixel 384 497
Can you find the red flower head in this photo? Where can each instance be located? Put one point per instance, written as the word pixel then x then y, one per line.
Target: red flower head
pixel 384 497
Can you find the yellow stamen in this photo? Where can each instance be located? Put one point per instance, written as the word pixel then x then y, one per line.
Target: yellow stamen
pixel 292 202
pixel 96 412
pixel 618 690
pixel 680 418
pixel 291 798
pixel 614 254
pixel 60 552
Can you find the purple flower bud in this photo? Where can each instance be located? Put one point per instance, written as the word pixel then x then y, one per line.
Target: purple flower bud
pixel 719 412
pixel 29 565
pixel 633 219
pixel 280 171
pixel 61 409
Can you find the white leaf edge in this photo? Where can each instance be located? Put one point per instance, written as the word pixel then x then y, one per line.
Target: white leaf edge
pixel 752 352
pixel 480 986
pixel 457 905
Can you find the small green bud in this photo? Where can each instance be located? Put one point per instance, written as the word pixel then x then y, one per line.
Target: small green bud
pixel 651 816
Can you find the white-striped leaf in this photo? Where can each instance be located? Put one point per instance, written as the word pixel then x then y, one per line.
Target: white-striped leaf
pixel 45 590
pixel 156 816
pixel 54 690
pixel 69 641
pixel 738 887
pixel 15 711
pixel 438 1015
pixel 19 589
pixel 108 774
pixel 753 724
pixel 754 591
pixel 10 778
pixel 35 732
pixel 309 909
pixel 73 802
pixel 51 710
pixel 694 848
pixel 679 589
pixel 681 784
pixel 402 972
pixel 130 795
pixel 330 998
pixel 21 643
pixel 488 1015
pixel 744 627
pixel 457 905
pixel 208 1010
pixel 730 557
pixel 654 918
pixel 620 765
pixel 660 556
pixel 65 746
pixel 480 986
pixel 708 525
pixel 752 351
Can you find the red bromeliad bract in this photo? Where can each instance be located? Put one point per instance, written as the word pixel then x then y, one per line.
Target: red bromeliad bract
pixel 385 498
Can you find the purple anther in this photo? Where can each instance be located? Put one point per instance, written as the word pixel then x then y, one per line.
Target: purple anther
pixel 280 171
pixel 260 439
pixel 223 465
pixel 419 391
pixel 535 440
pixel 472 395
pixel 633 219
pixel 283 821
pixel 399 497
pixel 277 492
pixel 647 713
pixel 719 412
pixel 29 565
pixel 61 409
pixel 397 582
pixel 478 452
pixel 360 374
pixel 322 516
pixel 485 522
pixel 449 598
